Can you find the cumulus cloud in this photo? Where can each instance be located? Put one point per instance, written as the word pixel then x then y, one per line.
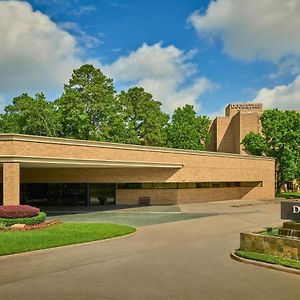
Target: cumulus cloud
pixel 36 54
pixel 281 96
pixel 163 71
pixel 264 29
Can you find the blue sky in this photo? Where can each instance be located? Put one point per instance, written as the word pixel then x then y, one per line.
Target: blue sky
pixel 205 53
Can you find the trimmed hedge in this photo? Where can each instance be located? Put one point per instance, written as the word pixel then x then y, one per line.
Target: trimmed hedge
pixel 290 195
pixel 18 211
pixel 29 221
pixel 270 259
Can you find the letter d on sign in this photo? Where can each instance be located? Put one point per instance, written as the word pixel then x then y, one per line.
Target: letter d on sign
pixel 296 209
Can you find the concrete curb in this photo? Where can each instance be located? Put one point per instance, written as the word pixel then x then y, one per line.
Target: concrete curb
pixel 264 265
pixel 27 253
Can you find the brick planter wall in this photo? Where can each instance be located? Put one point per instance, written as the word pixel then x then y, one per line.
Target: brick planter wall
pixel 273 245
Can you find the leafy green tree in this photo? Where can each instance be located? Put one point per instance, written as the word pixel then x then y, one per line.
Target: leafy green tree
pixel 144 121
pixel 88 107
pixel 187 130
pixel 255 143
pixel 280 138
pixel 27 115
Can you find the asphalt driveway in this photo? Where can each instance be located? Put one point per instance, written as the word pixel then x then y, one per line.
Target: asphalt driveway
pixel 177 260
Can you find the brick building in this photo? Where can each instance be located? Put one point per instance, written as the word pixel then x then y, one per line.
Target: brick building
pixel 55 171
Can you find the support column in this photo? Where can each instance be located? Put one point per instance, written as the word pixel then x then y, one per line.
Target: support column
pixel 11 183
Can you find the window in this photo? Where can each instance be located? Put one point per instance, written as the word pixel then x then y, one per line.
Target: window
pixel 189 185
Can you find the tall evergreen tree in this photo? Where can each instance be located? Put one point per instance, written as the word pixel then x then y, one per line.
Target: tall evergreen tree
pixel 187 130
pixel 144 121
pixel 88 107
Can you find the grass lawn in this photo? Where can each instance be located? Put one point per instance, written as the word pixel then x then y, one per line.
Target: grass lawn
pixel 276 260
pixel 290 195
pixel 58 235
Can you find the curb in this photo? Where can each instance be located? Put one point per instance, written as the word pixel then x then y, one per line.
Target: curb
pixel 264 265
pixel 8 256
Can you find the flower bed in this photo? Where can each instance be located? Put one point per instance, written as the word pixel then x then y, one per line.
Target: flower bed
pixel 36 226
pixel 18 211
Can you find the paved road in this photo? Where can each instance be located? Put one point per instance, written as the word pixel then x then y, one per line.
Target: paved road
pixel 181 260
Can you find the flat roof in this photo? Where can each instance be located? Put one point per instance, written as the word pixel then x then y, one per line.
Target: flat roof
pixel 87 143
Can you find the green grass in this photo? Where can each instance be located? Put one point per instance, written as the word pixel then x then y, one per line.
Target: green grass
pixel 270 233
pixel 290 195
pixel 58 235
pixel 271 259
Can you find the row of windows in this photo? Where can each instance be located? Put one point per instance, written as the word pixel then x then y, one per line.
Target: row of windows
pixel 188 185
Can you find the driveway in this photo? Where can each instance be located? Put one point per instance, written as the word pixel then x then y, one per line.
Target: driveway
pixel 187 259
pixel 131 216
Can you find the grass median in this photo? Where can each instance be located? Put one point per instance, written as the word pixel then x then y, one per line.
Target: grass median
pixel 12 242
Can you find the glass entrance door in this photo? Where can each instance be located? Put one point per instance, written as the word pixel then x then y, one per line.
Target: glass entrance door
pixel 102 193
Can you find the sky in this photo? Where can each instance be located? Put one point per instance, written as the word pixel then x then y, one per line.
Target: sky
pixel 200 52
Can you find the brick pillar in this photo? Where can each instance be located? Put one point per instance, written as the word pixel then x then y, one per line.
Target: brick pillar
pixel 11 183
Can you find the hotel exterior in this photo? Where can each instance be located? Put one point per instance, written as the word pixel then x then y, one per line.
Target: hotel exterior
pixel 47 171
pixel 227 132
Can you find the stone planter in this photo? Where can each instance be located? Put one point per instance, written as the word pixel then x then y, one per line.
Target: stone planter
pixel 286 247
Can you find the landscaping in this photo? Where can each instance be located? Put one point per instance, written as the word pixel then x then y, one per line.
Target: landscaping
pixel 20 214
pixel 12 242
pixel 271 259
pixel 290 195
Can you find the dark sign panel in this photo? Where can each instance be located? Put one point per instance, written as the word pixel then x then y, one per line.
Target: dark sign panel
pixel 290 210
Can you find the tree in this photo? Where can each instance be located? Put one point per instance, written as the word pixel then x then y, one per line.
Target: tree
pixel 280 138
pixel 27 115
pixel 187 130
pixel 144 121
pixel 88 108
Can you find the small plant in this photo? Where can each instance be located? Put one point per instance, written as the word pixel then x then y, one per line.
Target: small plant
pixel 18 211
pixel 3 227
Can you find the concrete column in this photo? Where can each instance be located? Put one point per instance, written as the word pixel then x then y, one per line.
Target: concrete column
pixel 11 183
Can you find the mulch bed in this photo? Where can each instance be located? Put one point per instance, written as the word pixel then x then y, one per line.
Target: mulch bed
pixel 37 226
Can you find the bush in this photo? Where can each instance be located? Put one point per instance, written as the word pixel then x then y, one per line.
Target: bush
pixel 3 226
pixel 18 211
pixel 29 221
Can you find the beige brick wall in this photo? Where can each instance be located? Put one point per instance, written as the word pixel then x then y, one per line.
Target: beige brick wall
pixel 157 196
pixel 11 183
pixel 248 122
pixel 229 131
pixel 197 167
pixel 220 194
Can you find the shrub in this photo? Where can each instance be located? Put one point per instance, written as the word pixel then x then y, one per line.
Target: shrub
pixel 3 226
pixel 18 211
pixel 29 221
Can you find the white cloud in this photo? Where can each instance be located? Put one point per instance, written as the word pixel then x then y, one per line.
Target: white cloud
pixel 89 41
pixel 264 29
pixel 35 54
pixel 162 71
pixel 281 96
pixel 38 55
